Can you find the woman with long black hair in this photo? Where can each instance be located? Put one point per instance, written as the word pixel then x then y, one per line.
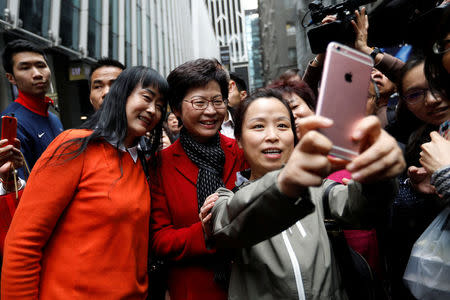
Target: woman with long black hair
pixel 81 229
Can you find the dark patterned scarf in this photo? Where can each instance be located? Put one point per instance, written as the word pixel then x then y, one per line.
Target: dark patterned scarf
pixel 210 159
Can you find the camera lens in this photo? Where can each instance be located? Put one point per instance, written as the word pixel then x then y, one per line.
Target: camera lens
pixel 338 48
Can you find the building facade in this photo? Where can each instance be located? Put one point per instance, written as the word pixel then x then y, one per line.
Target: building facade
pixel 228 20
pixel 255 67
pixel 278 21
pixel 155 33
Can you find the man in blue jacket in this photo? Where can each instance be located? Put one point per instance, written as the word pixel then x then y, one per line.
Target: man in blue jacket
pixel 26 67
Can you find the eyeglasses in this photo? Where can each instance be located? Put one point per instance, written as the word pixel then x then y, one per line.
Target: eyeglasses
pixel 201 103
pixel 416 96
pixel 440 47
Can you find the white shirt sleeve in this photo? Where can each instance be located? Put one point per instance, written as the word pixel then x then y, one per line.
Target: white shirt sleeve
pixel 21 186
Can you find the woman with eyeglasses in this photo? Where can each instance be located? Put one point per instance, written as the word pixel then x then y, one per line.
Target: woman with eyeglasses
pixel 417 203
pixel 192 168
pixel 437 57
pixel 435 155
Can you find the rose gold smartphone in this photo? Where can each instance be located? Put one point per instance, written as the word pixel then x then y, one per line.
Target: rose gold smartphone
pixel 343 96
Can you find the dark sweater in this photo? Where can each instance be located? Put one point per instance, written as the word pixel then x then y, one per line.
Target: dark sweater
pixel 34 131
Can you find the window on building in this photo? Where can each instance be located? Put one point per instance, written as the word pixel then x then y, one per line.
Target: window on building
pixel 292 54
pixel 95 28
pixel 162 63
pixel 289 4
pixel 70 23
pixel 2 8
pixel 148 24
pixel 139 32
pixel 113 46
pixel 290 28
pixel 128 33
pixel 234 14
pixel 156 39
pixel 35 15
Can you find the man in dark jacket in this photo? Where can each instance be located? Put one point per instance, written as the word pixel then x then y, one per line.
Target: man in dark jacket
pixel 26 67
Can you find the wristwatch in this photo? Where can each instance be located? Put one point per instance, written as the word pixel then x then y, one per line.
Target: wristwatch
pixel 374 52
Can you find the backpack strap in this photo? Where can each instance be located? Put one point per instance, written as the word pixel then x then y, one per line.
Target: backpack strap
pixel 326 202
pixel 355 273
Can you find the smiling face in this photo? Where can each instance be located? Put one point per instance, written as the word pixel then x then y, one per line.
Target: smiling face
pixel 202 124
pixel 298 106
pixel 143 109
pixel 433 109
pixel 267 137
pixel 31 73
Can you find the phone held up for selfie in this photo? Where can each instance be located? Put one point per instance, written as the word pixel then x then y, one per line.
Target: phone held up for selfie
pixel 343 96
pixel 9 129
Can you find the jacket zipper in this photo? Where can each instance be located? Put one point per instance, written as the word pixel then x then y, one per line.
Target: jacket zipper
pixel 295 266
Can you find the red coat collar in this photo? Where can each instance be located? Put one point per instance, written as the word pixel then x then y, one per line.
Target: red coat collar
pixel 36 105
pixel 189 170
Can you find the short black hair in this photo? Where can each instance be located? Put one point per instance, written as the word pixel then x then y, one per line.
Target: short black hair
pixel 194 74
pixel 18 46
pixel 438 77
pixel 110 121
pixel 240 83
pixel 105 62
pixel 298 87
pixel 243 106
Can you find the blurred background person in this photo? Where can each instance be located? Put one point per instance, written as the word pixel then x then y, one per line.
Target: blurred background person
pixel 173 127
pixel 237 91
pixel 382 99
pixel 103 74
pixel 300 97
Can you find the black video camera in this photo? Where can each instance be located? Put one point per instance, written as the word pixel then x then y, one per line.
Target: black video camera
pixel 339 31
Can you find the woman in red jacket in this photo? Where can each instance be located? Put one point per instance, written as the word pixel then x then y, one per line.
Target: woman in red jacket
pixel 192 168
pixel 81 228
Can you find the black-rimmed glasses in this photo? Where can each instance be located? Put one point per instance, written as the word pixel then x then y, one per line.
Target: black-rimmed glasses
pixel 416 96
pixel 201 103
pixel 440 47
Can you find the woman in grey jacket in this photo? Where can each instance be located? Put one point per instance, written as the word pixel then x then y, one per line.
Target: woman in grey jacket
pixel 275 220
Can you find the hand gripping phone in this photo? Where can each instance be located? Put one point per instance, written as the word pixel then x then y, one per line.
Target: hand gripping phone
pixel 9 129
pixel 343 96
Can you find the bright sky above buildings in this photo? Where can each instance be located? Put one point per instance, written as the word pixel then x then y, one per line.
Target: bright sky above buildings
pixel 249 4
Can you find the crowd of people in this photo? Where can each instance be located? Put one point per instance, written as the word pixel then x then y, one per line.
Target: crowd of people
pixel 190 187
